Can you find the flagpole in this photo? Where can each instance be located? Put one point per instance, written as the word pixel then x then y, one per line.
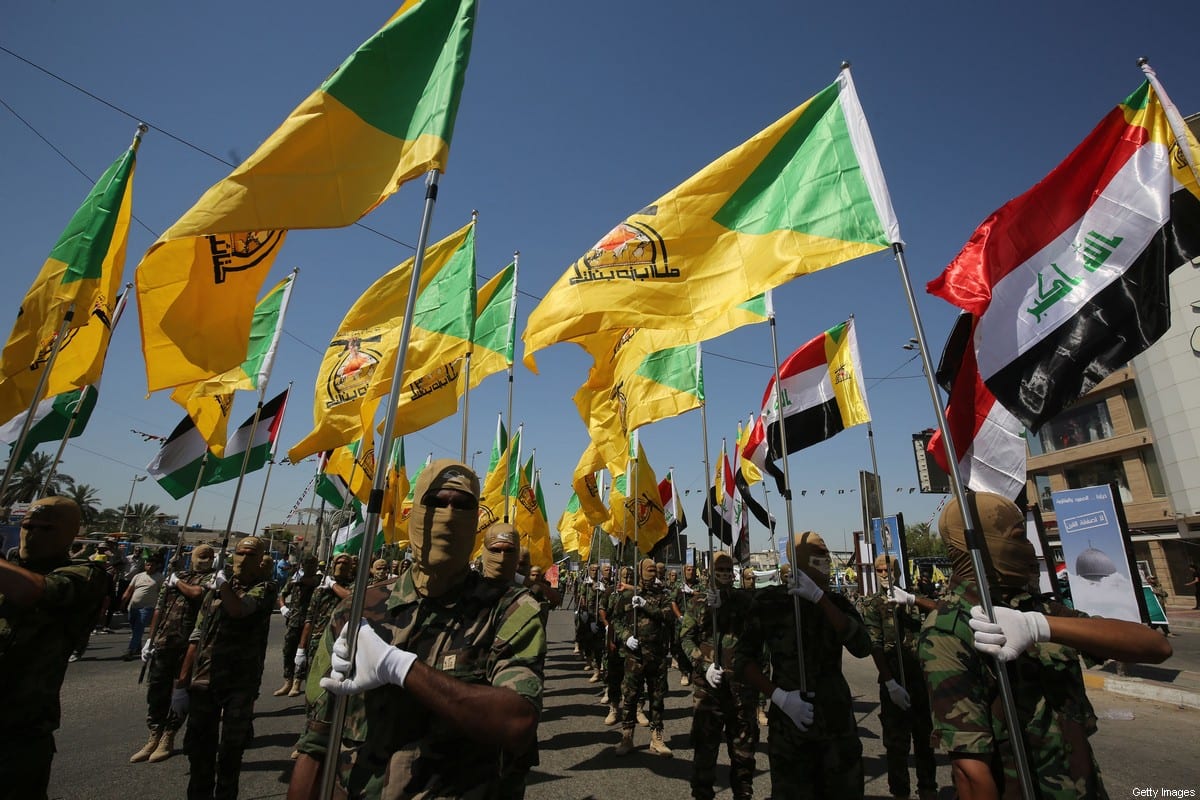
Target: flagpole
pixel 512 315
pixel 1174 118
pixel 187 518
pixel 375 503
pixel 887 552
pixel 675 509
pixel 241 478
pixel 787 493
pixel 712 579
pixel 974 538
pixel 270 464
pixel 508 468
pixel 11 469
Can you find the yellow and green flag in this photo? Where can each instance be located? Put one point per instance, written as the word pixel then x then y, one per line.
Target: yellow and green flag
pixel 384 117
pixel 502 481
pixel 83 269
pixel 529 518
pixel 355 465
pixel 357 369
pixel 641 509
pixel 495 325
pixel 395 492
pixel 574 530
pixel 587 489
pixel 209 402
pixel 805 194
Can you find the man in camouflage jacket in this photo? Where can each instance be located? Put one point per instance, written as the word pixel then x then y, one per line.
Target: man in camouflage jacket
pixel 445 689
pixel 47 603
pixel 640 619
pixel 294 601
pixel 723 705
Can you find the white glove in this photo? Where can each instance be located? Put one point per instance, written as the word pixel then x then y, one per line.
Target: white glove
pixel 898 694
pixel 219 580
pixel 713 675
pixel 375 663
pixel 798 710
pixel 687 589
pixel 713 598
pixel 637 601
pixel 172 579
pixel 179 702
pixel 301 658
pixel 632 644
pixel 1011 634
pixel 588 581
pixel 901 597
pixel 146 650
pixel 803 587
pixel 284 611
pixel 328 582
pixel 594 628
pixel 600 587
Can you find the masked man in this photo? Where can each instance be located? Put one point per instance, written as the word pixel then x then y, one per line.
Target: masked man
pixel 723 705
pixel 640 619
pixel 174 619
pixel 501 552
pixel 681 597
pixel 222 670
pixel 960 650
pixel 903 700
pixel 812 736
pixel 446 685
pixel 379 570
pixel 294 601
pixel 47 604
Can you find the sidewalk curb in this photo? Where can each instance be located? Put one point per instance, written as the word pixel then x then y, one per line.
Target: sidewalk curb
pixel 1145 690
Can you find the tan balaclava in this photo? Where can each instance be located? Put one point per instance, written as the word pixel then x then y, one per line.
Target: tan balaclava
pixel 247 560
pixel 48 528
pixel 689 574
pixel 441 532
pixel 886 578
pixel 1013 560
pixel 661 570
pixel 647 571
pixel 812 556
pixel 606 574
pixel 785 574
pixel 747 578
pixel 535 574
pixel 523 566
pixel 723 570
pixel 202 558
pixel 626 575
pixel 593 571
pixel 343 569
pixel 379 570
pixel 500 552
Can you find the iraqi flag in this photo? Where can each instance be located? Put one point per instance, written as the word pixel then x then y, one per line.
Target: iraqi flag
pixel 822 394
pixel 989 442
pixel 1069 281
pixel 722 513
pixel 672 510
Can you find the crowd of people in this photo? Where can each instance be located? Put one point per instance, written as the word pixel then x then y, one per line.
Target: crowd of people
pixel 450 647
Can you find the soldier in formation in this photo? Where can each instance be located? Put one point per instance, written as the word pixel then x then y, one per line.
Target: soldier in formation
pixel 723 704
pixel 219 679
pixel 47 603
pixel 960 650
pixel 903 701
pixel 170 628
pixel 812 740
pixel 640 618
pixel 443 656
pixel 293 605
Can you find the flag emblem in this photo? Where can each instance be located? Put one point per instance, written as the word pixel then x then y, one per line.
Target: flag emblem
pixel 351 378
pixel 632 251
pixel 486 518
pixel 527 498
pixel 235 252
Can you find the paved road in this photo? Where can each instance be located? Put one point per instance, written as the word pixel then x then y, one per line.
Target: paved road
pixel 103 723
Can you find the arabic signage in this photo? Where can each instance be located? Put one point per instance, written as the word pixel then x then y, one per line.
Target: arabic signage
pixel 1094 549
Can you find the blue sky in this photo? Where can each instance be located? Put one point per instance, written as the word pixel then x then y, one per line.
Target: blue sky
pixel 574 115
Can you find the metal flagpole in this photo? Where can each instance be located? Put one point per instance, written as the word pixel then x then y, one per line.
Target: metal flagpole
pixel 241 478
pixel 887 552
pixel 708 488
pixel 675 509
pixel 512 316
pixel 270 463
pixel 508 468
pixel 11 469
pixel 467 368
pixel 187 518
pixel 375 504
pixel 787 488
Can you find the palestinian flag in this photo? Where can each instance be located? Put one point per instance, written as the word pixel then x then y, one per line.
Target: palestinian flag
pixel 51 420
pixel 822 394
pixel 1069 281
pixel 989 442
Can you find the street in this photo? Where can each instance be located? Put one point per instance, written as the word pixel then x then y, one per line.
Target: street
pixel 104 710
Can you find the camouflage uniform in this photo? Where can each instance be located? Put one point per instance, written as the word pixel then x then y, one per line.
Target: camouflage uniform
pixel 728 708
pixel 682 599
pixel 35 643
pixel 901 727
pixel 176 619
pixel 297 596
pixel 593 643
pixel 825 760
pixel 968 715
pixel 225 680
pixel 614 653
pixel 645 667
pixel 392 746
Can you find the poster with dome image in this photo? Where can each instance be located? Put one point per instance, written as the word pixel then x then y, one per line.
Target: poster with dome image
pixel 1090 528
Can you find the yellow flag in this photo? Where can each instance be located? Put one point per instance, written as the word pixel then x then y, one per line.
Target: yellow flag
pixel 586 488
pixel 357 369
pixel 533 528
pixel 83 269
pixel 501 484
pixel 804 194
pixel 749 469
pixel 354 464
pixel 574 527
pixel 639 510
pixel 395 492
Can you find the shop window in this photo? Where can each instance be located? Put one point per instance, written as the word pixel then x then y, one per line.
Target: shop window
pixel 1137 415
pixel 1099 473
pixel 1080 425
pixel 1157 487
pixel 1042 482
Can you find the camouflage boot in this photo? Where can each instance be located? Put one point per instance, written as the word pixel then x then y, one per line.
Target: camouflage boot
pixel 297 688
pixel 166 747
pixel 282 690
pixel 147 748
pixel 612 717
pixel 657 745
pixel 626 745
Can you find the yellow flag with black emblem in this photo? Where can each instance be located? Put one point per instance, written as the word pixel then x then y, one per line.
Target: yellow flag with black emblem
pixel 533 527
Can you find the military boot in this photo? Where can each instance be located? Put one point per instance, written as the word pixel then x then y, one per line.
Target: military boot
pixel 576 650
pixel 595 676
pixel 611 719
pixel 282 690
pixel 658 746
pixel 684 679
pixel 166 746
pixel 626 745
pixel 297 688
pixel 641 718
pixel 762 716
pixel 147 748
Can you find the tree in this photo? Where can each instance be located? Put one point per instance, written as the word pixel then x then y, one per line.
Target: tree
pixel 141 519
pixel 923 541
pixel 86 498
pixel 26 484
